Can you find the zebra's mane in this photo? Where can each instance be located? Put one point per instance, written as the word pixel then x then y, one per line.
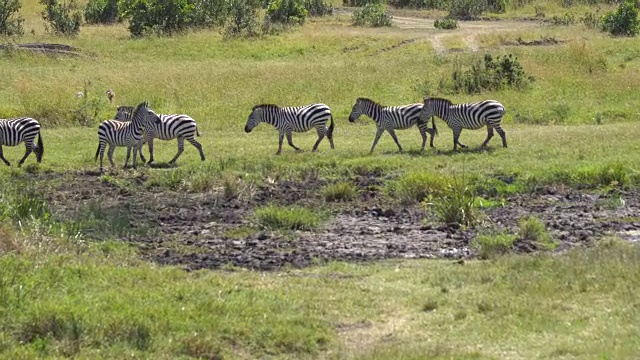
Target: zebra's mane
pixel 267 106
pixel 367 100
pixel 446 101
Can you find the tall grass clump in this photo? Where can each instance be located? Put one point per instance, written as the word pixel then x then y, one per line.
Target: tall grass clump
pixel 532 230
pixel 282 218
pixel 413 188
pixel 455 203
pixel 493 245
pixel 10 19
pixel 341 191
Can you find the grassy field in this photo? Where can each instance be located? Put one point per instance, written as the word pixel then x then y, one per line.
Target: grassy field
pixel 63 295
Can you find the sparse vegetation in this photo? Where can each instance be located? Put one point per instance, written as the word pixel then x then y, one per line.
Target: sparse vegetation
pixel 287 218
pixel 445 24
pixel 492 245
pixel 532 230
pixel 341 191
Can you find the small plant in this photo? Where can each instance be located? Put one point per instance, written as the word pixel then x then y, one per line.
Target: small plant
pixel 342 191
pixel 455 204
pixel 10 19
pixel 62 18
pixel 445 24
pixel 494 245
pixel 532 230
pixel 623 21
pixel 592 20
pixel 86 112
pixel 373 15
pixel 281 218
pixel 101 12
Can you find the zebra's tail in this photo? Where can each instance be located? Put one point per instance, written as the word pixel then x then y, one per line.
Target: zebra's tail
pixel 40 148
pixel 433 124
pixel 331 126
pixel 197 131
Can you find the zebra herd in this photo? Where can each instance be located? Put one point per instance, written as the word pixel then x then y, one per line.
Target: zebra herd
pixel 132 127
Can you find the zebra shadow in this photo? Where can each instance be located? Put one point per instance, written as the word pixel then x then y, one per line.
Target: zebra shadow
pixel 467 150
pixel 162 165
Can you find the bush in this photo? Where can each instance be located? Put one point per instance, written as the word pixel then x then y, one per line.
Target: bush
pixel 162 17
pixel 420 4
pixel 359 3
pixel 208 13
pixel 342 191
pixel 445 24
pixel 467 9
pixel 10 20
pixel 288 12
pixel 623 21
pixel 242 20
pixel 101 12
pixel 487 74
pixel 277 217
pixel 374 15
pixel 318 7
pixel 62 19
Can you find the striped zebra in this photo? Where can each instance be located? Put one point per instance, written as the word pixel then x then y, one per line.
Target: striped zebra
pixel 289 119
pixel 169 127
pixel 123 133
pixel 466 116
pixel 392 118
pixel 16 130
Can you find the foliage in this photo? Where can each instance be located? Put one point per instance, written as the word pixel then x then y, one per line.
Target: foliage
pixel 487 75
pixel 62 18
pixel 88 108
pixel 592 20
pixel 492 245
pixel 445 24
pixel 564 20
pixel 10 19
pixel 318 7
pixel 412 188
pixel 287 12
pixel 341 191
pixel 373 15
pixel 101 12
pixel 162 17
pixel 359 3
pixel 467 9
pixel 242 20
pixel 208 13
pixel 455 203
pixel 623 21
pixel 283 218
pixel 420 4
pixel 533 230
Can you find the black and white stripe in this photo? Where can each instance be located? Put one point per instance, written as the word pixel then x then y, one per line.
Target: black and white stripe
pixel 169 127
pixel 471 116
pixel 123 133
pixel 391 118
pixel 16 130
pixel 289 119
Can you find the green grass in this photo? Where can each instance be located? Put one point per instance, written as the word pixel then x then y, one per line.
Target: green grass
pixel 492 245
pixel 342 191
pixel 287 218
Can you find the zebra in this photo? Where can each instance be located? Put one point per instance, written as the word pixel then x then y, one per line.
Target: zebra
pixel 390 118
pixel 471 116
pixel 296 118
pixel 123 133
pixel 16 130
pixel 170 127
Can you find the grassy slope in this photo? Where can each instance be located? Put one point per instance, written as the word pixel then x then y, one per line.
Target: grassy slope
pixel 98 301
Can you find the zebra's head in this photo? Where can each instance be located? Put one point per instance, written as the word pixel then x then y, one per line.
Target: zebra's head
pixel 124 113
pixel 153 118
pixel 140 115
pixel 427 110
pixel 357 110
pixel 255 118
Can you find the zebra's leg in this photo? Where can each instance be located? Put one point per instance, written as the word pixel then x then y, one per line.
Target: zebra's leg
pixel 290 141
pixel 376 139
pixel 503 135
pixel 28 151
pixel 489 136
pixel 112 149
pixel 456 137
pixel 150 144
pixel 198 146
pixel 320 132
pixel 2 157
pixel 180 150
pixel 142 158
pixel 136 148
pixel 126 160
pixel 280 140
pixel 395 138
pixel 423 133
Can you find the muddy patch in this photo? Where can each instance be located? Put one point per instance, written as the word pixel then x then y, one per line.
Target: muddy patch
pixel 198 231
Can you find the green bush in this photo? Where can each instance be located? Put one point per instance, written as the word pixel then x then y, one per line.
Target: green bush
pixel 101 12
pixel 445 24
pixel 342 191
pixel 62 18
pixel 487 75
pixel 281 218
pixel 208 13
pixel 242 20
pixel 623 21
pixel 318 7
pixel 467 9
pixel 373 15
pixel 162 17
pixel 288 12
pixel 10 20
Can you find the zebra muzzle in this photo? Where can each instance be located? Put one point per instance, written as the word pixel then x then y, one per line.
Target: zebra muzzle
pixel 247 129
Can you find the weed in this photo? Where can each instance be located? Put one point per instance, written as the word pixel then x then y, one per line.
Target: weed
pixel 430 305
pixel 341 191
pixel 281 218
pixel 493 245
pixel 445 24
pixel 533 230
pixel 455 204
pixel 413 188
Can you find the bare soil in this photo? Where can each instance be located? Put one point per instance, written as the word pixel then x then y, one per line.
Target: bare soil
pixel 196 230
